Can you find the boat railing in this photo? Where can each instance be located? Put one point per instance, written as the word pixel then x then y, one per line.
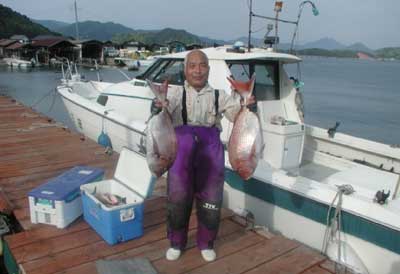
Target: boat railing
pixel 70 74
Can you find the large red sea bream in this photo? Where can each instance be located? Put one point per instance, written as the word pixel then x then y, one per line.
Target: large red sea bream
pixel 246 142
pixel 161 141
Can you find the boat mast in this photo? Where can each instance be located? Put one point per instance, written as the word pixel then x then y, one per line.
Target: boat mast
pixel 276 19
pixel 277 9
pixel 250 16
pixel 76 23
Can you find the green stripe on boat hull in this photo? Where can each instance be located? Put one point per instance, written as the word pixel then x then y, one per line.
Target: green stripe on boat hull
pixel 354 225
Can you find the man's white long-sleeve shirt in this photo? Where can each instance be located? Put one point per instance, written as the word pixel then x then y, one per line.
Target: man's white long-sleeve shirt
pixel 200 106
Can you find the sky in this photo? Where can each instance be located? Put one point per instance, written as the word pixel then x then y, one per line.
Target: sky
pixel 376 23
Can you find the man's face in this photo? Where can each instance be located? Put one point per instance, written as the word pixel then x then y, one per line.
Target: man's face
pixel 196 70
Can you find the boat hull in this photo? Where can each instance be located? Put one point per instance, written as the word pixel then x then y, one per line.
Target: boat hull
pixel 284 212
pixel 298 217
pixel 90 121
pixel 17 63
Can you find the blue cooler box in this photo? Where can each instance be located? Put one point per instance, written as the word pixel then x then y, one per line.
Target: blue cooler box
pixel 58 202
pixel 133 181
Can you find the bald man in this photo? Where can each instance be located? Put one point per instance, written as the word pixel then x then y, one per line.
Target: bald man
pixel 198 171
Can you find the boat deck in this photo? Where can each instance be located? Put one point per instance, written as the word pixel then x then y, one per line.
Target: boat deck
pixel 34 149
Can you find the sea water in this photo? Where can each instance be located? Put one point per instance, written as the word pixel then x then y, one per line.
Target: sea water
pixel 36 87
pixel 362 95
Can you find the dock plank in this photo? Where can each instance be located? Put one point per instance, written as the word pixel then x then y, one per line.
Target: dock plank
pixel 295 261
pixel 224 246
pixel 155 250
pixel 247 258
pixel 316 270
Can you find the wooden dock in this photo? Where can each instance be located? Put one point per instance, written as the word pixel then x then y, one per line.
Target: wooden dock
pixel 34 149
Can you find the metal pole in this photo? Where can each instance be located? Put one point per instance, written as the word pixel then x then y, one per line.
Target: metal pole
pixel 276 30
pixel 297 26
pixel 272 18
pixel 76 23
pixel 250 17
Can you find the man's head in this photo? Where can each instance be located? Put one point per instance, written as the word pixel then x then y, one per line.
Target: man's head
pixel 196 69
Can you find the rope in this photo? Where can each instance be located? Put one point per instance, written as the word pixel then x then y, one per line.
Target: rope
pixel 124 74
pixel 53 93
pixel 335 226
pixel 52 102
pixel 43 97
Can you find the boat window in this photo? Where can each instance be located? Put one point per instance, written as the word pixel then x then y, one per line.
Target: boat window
pixel 267 78
pixel 149 70
pixel 167 69
pixel 102 100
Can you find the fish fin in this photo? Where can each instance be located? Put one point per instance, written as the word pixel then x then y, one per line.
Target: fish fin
pixel 160 91
pixel 245 89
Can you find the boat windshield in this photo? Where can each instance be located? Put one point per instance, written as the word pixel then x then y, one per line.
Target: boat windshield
pixel 163 69
pixel 267 77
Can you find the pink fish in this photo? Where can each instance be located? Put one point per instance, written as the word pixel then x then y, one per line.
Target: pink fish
pixel 109 199
pixel 246 142
pixel 161 143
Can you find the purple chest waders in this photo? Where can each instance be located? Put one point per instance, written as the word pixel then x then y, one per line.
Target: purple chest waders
pixel 197 173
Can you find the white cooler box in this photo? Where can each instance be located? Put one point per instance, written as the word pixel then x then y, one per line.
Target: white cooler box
pixel 284 145
pixel 58 202
pixel 132 180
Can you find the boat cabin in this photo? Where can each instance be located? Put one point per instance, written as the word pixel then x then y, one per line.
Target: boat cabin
pixel 274 93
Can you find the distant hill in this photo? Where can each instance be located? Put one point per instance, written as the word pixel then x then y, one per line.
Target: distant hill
pixel 95 30
pixel 388 53
pixel 209 41
pixel 119 33
pixel 160 37
pixel 324 43
pixel 359 47
pixel 12 22
pixel 51 24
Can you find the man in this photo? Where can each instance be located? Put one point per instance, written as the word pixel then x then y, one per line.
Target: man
pixel 198 171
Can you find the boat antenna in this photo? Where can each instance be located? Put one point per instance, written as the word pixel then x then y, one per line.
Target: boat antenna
pixel 76 23
pixel 250 16
pixel 276 19
pixel 277 9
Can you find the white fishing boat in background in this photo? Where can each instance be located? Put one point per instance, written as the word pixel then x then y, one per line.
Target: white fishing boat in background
pixel 131 64
pixel 19 63
pixel 331 191
pixel 146 62
pixel 134 64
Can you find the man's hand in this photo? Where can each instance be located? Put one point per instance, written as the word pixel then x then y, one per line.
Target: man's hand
pixel 250 101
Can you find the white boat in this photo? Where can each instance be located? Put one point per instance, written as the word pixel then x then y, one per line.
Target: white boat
pixel 297 180
pixel 19 63
pixel 144 63
pixel 131 64
pixel 70 74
